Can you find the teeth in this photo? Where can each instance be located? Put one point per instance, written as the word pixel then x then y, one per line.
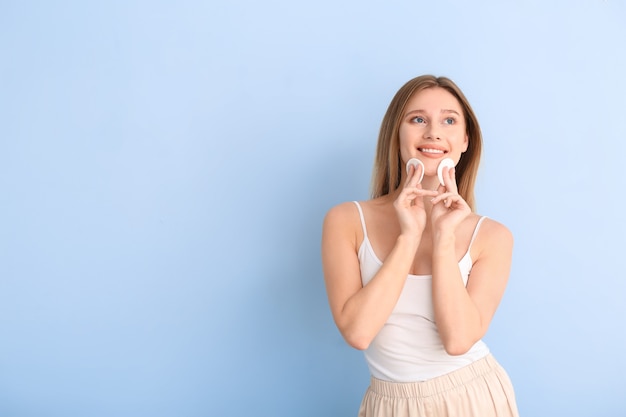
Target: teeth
pixel 427 150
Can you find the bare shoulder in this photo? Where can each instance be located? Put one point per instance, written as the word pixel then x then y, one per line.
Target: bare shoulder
pixel 342 220
pixel 341 214
pixel 341 210
pixel 495 230
pixel 346 215
pixel 494 236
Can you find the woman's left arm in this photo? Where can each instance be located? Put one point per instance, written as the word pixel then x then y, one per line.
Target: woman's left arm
pixel 463 313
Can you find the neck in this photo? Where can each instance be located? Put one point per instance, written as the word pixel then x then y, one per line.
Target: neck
pixel 391 197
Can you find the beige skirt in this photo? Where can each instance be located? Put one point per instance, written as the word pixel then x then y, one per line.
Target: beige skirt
pixel 482 389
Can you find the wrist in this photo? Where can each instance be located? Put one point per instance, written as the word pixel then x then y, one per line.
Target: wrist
pixel 411 241
pixel 444 240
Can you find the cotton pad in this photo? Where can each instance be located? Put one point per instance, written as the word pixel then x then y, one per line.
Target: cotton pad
pixel 447 162
pixel 415 162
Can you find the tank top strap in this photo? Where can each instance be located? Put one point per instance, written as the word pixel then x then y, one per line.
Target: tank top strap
pixel 362 219
pixel 476 231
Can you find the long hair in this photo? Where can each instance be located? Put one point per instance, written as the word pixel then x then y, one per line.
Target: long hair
pixel 387 164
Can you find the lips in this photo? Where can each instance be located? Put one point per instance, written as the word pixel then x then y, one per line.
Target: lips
pixel 432 151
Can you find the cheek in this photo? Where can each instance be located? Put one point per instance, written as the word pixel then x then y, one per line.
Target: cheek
pixel 408 132
pixel 403 137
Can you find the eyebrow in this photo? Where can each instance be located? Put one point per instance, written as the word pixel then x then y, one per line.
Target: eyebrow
pixel 442 111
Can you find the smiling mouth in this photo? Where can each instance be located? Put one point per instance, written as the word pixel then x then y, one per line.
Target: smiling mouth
pixel 431 150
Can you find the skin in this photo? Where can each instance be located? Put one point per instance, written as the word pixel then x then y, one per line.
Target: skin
pixel 420 229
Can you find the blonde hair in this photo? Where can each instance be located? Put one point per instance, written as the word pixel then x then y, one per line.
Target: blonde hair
pixel 387 164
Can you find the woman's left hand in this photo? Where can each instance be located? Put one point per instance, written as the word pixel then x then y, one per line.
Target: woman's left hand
pixel 449 208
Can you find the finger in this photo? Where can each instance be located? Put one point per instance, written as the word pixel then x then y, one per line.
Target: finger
pixel 413 179
pixel 413 196
pixel 457 201
pixel 409 175
pixel 448 202
pixel 417 191
pixel 449 179
pixel 449 198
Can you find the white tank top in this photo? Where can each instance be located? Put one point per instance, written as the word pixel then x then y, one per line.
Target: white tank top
pixel 408 347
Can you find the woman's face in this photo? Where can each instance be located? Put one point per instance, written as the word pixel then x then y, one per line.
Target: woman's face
pixel 433 128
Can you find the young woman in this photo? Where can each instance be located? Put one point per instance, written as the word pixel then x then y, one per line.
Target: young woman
pixel 413 275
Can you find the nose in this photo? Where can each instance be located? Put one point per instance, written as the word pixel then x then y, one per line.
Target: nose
pixel 432 132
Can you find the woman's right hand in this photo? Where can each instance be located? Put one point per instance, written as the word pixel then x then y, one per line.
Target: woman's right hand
pixel 409 205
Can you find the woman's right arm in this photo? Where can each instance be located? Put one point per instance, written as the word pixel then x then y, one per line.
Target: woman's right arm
pixel 360 311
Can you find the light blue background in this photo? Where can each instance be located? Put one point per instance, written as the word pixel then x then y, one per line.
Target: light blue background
pixel 165 168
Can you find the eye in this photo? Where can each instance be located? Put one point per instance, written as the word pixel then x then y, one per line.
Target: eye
pixel 418 119
pixel 449 121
